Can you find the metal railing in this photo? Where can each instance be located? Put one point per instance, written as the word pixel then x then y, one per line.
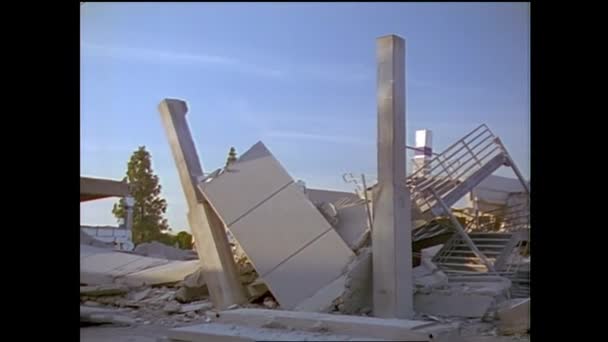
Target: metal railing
pixel 452 166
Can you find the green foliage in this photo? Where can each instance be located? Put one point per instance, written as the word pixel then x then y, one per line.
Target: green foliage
pixel 149 208
pixel 184 240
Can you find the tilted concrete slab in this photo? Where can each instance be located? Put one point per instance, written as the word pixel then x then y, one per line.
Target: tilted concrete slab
pixel 260 203
pixel 371 327
pixel 87 250
pixel 311 269
pixel 321 195
pixel 101 266
pixel 352 224
pixel 230 333
pixel 322 300
pixel 254 178
pixel 287 221
pixel 116 263
pixel 352 220
pixel 172 272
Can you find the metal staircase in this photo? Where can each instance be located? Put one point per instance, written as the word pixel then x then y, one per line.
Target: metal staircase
pixel 448 177
pixel 457 257
pixel 456 171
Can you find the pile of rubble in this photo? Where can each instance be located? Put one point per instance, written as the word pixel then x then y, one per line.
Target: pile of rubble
pixel 316 276
pixel 173 305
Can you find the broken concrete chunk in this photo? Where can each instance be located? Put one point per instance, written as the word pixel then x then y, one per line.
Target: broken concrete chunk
pixel 195 279
pixel 429 277
pixel 103 290
pixel 328 210
pixel 270 303
pixel 196 307
pixel 140 295
pixel 323 300
pixel 170 273
pixel 104 316
pixel 189 294
pixel 350 292
pixel 256 290
pixel 172 307
pixel 514 316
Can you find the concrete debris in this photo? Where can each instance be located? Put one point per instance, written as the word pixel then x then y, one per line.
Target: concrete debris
pixel 198 307
pixel 172 307
pixel 351 293
pixel 328 210
pixel 159 250
pixel 188 294
pixel 427 275
pixel 256 290
pixel 194 280
pixel 369 327
pixel 346 212
pixel 463 296
pixel 172 272
pixel 224 332
pixel 103 290
pixel 270 303
pixel 140 295
pixel 99 266
pixel 428 253
pixel 303 250
pixel 104 316
pixel 514 316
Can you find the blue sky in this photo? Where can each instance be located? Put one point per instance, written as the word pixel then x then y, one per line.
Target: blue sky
pixel 299 77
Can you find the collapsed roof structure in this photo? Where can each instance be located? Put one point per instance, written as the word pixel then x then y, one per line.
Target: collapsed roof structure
pixel 363 253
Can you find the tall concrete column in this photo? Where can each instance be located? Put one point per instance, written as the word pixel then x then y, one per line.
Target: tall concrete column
pixel 392 235
pixel 209 232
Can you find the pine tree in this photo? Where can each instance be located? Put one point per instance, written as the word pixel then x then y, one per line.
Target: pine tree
pixel 149 208
pixel 231 156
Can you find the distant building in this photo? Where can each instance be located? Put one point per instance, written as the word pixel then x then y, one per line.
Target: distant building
pixel 98 188
pixel 119 236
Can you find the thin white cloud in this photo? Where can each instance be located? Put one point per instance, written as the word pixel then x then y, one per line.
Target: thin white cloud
pixel 169 57
pixel 326 73
pixel 341 139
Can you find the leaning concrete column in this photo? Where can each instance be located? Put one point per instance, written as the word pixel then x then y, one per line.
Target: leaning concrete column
pixel 391 238
pixel 219 269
